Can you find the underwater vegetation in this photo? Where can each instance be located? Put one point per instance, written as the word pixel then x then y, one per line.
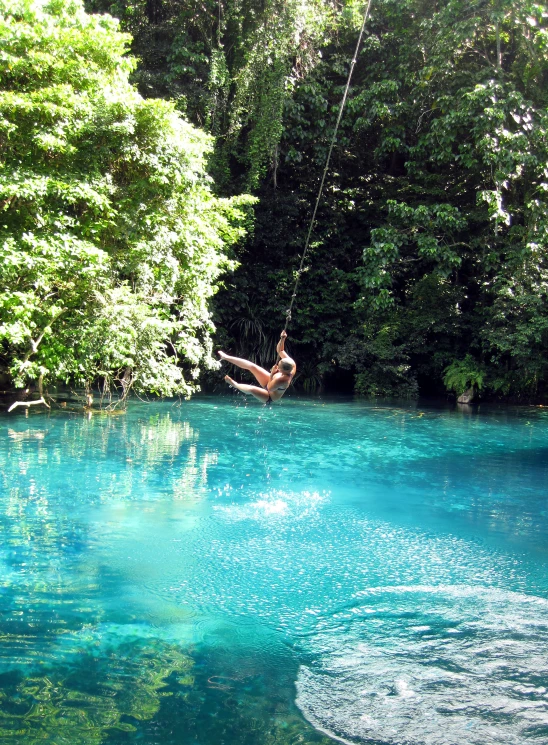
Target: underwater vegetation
pixel 107 687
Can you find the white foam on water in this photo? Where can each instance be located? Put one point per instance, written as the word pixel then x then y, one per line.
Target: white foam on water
pixel 277 504
pixel 380 677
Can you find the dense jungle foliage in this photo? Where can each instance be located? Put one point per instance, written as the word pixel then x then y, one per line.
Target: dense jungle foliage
pixel 111 239
pixel 428 265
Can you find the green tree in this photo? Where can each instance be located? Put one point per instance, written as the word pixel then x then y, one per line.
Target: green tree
pixel 111 241
pixel 437 190
pixel 480 143
pixel 230 66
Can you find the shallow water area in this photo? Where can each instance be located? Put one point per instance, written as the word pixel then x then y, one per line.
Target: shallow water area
pixel 220 572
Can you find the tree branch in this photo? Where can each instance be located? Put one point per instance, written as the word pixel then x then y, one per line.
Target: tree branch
pixel 29 403
pixel 34 344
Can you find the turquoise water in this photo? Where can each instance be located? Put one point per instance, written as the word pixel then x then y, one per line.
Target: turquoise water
pixel 216 573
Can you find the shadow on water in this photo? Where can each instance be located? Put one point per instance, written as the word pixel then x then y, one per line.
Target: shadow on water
pixel 235 700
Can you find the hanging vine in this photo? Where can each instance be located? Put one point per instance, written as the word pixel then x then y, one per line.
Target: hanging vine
pixel 279 50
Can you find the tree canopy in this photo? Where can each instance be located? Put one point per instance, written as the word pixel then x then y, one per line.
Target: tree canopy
pixel 431 245
pixel 111 240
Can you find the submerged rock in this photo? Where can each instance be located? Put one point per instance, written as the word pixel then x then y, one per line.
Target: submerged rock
pixel 467 397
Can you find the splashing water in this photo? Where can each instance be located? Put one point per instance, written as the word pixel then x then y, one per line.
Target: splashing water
pixel 431 664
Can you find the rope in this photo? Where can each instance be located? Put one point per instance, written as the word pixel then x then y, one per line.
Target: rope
pixel 334 137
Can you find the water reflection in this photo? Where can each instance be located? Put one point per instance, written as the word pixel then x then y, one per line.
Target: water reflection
pixel 461 468
pixel 110 684
pixel 105 458
pixel 54 473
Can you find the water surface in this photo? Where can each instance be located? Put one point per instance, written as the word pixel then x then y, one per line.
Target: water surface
pixel 216 573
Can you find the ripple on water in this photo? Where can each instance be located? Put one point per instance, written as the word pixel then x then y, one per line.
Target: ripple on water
pixel 430 665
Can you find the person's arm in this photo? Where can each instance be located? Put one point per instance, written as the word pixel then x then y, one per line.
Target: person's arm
pixel 281 345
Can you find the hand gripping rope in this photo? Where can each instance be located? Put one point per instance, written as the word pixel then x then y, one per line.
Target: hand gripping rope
pixel 333 138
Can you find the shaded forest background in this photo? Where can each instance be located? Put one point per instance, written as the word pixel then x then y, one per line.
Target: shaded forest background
pixel 428 263
pixel 428 268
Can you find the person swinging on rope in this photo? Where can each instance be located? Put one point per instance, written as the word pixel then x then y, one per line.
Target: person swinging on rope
pixel 274 383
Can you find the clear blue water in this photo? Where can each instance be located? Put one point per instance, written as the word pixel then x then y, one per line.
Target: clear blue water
pixel 214 573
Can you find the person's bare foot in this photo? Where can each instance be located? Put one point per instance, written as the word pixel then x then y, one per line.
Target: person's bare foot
pixel 229 381
pixel 222 355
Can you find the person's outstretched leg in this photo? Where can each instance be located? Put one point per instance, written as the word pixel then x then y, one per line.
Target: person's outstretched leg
pixel 254 390
pixel 262 375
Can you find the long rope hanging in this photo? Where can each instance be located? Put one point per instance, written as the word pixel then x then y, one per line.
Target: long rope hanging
pixel 333 139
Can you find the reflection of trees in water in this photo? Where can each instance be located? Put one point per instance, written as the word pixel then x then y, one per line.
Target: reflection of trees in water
pixel 50 476
pixel 53 597
pixel 105 458
pixel 107 687
pixel 158 439
pixel 48 586
pixel 162 441
pixel 63 676
pixel 42 571
pixel 191 483
pixel 49 479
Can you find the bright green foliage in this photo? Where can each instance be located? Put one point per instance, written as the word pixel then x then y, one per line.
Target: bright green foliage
pixel 461 375
pixel 110 238
pixel 478 106
pixel 275 48
pixel 431 238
